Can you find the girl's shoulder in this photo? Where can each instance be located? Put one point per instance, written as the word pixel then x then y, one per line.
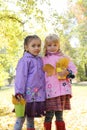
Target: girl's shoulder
pixel 68 57
pixel 44 58
pixel 23 63
pixel 23 60
pixel 40 59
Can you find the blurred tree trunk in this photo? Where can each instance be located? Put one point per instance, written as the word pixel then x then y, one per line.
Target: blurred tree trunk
pixel 85 70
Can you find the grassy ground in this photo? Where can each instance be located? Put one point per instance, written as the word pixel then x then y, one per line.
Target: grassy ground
pixel 75 119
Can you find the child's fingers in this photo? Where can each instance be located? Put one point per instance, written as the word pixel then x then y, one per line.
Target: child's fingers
pixel 19 96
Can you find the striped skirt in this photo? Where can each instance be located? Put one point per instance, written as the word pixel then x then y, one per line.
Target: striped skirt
pixel 58 103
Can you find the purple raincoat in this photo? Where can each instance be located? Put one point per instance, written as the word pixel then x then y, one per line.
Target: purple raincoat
pixel 30 79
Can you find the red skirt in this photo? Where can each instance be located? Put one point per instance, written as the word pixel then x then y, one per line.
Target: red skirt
pixel 59 103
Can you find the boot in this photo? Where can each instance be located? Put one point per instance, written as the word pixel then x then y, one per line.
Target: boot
pixel 47 126
pixel 30 129
pixel 60 125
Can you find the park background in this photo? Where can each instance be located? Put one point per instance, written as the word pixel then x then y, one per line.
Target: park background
pixel 68 19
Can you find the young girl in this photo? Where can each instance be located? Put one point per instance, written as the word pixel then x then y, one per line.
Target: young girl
pixel 58 91
pixel 30 82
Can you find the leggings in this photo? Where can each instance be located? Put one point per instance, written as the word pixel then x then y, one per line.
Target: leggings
pixel 50 114
pixel 20 121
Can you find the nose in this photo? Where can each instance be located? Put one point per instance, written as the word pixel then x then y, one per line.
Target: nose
pixel 53 47
pixel 37 47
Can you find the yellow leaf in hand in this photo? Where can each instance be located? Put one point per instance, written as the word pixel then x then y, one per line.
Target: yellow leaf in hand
pixel 22 101
pixel 14 100
pixel 49 69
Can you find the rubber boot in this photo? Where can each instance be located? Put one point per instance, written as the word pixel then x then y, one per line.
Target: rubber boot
pixel 47 126
pixel 60 125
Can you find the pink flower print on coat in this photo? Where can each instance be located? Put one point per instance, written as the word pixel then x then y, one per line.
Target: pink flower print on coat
pixel 49 89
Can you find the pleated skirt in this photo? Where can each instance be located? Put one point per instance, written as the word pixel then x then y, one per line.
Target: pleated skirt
pixel 59 103
pixel 35 109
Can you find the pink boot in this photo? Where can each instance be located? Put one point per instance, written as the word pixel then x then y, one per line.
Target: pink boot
pixel 60 125
pixel 47 126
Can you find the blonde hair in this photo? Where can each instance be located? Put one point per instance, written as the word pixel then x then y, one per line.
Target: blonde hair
pixel 50 38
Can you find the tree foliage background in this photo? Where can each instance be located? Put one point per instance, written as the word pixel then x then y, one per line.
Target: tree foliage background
pixel 20 18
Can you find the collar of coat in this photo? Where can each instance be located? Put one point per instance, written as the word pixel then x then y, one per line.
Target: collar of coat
pixel 27 54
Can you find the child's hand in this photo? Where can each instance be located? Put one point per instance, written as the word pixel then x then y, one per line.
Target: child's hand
pixel 70 75
pixel 19 96
pixel 63 73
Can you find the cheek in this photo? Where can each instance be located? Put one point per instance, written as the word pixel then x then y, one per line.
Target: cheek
pixel 57 47
pixel 39 48
pixel 48 48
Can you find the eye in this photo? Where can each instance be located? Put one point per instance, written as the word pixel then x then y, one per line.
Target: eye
pixel 33 45
pixel 39 45
pixel 55 45
pixel 49 45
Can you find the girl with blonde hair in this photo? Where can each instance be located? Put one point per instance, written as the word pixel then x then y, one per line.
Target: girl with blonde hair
pixel 58 85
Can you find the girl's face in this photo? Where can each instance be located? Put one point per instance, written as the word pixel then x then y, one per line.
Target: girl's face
pixel 52 47
pixel 34 47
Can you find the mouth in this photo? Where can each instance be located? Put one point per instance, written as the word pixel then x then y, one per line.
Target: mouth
pixel 36 51
pixel 53 51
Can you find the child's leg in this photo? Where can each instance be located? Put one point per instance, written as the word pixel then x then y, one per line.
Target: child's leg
pixel 30 123
pixel 48 120
pixel 59 115
pixel 49 116
pixel 19 123
pixel 60 124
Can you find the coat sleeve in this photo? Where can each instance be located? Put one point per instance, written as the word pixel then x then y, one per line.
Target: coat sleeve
pixel 21 76
pixel 72 67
